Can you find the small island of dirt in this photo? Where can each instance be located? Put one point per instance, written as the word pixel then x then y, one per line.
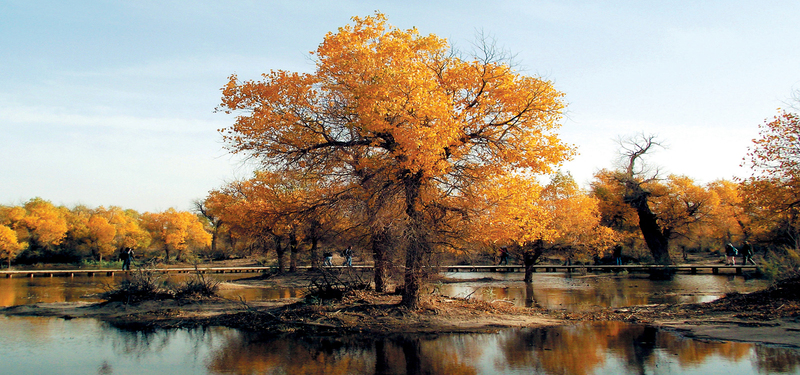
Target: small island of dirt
pixel 770 316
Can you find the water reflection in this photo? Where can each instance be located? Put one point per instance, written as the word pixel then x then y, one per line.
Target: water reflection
pixel 79 346
pixel 609 348
pixel 26 290
pixel 558 291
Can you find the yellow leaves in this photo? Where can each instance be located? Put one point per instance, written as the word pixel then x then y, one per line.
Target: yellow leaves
pixel 102 234
pixel 401 95
pixel 46 221
pixel 177 230
pixel 9 245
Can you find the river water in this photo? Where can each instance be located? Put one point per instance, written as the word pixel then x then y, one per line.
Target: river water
pixel 87 346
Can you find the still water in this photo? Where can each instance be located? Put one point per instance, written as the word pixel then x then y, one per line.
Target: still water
pixel 25 290
pixel 87 346
pixel 577 292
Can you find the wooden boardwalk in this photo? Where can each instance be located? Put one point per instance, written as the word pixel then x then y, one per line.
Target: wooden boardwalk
pixel 683 268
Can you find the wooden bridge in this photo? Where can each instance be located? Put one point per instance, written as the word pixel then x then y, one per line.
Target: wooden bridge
pixel 683 268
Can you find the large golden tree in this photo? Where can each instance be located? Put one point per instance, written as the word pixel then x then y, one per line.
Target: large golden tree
pixel 405 106
pixel 775 184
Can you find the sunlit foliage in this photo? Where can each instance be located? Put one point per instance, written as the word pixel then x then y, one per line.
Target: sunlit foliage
pixel 401 103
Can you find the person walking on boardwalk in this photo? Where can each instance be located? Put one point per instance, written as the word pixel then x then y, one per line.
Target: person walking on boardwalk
pixel 503 256
pixel 730 254
pixel 747 253
pixel 348 256
pixel 328 259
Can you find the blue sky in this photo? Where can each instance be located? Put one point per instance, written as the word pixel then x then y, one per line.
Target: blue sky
pixel 112 102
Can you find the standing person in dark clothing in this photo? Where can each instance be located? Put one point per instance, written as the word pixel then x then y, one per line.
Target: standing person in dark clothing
pixel 747 253
pixel 618 255
pixel 503 256
pixel 126 256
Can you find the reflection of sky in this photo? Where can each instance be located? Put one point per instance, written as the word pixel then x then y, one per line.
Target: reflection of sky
pixel 86 346
pixel 81 346
pixel 580 293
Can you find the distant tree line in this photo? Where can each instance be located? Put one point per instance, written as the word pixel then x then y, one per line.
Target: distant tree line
pixel 40 232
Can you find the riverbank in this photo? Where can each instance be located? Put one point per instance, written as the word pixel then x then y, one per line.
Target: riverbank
pixel 771 316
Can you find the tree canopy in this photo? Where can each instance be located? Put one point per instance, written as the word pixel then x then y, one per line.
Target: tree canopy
pixel 404 106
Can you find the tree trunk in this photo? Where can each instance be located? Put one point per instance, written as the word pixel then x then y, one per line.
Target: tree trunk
pixel 530 257
pixel 314 253
pixel 281 253
pixel 416 246
pixel 379 243
pixel 166 253
pixel 293 253
pixel 657 240
pixel 214 237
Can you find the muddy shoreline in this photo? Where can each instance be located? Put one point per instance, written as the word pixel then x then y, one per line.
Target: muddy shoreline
pixel 768 317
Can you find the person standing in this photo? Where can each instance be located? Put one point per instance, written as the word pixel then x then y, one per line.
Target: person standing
pixel 747 253
pixel 618 255
pixel 730 254
pixel 348 256
pixel 503 256
pixel 126 255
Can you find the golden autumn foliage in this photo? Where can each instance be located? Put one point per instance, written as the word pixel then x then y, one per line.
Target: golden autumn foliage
pixel 774 187
pixel 46 223
pixel 177 231
pixel 101 235
pixel 49 233
pixel 576 219
pixel 681 208
pixel 9 245
pixel 520 211
pixel 403 105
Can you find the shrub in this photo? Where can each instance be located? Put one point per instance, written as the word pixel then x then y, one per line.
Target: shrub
pixel 145 285
pixel 140 285
pixel 780 264
pixel 198 286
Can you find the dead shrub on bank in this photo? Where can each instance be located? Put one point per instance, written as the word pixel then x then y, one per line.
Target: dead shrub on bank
pixel 146 285
pixel 333 284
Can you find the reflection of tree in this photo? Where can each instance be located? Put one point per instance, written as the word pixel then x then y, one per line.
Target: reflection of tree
pixel 248 354
pixel 583 349
pixel 690 353
pixel 772 360
pixel 138 343
pixel 530 298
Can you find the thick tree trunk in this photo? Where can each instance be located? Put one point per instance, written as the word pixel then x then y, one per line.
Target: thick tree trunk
pixel 281 252
pixel 416 246
pixel 657 240
pixel 379 247
pixel 530 257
